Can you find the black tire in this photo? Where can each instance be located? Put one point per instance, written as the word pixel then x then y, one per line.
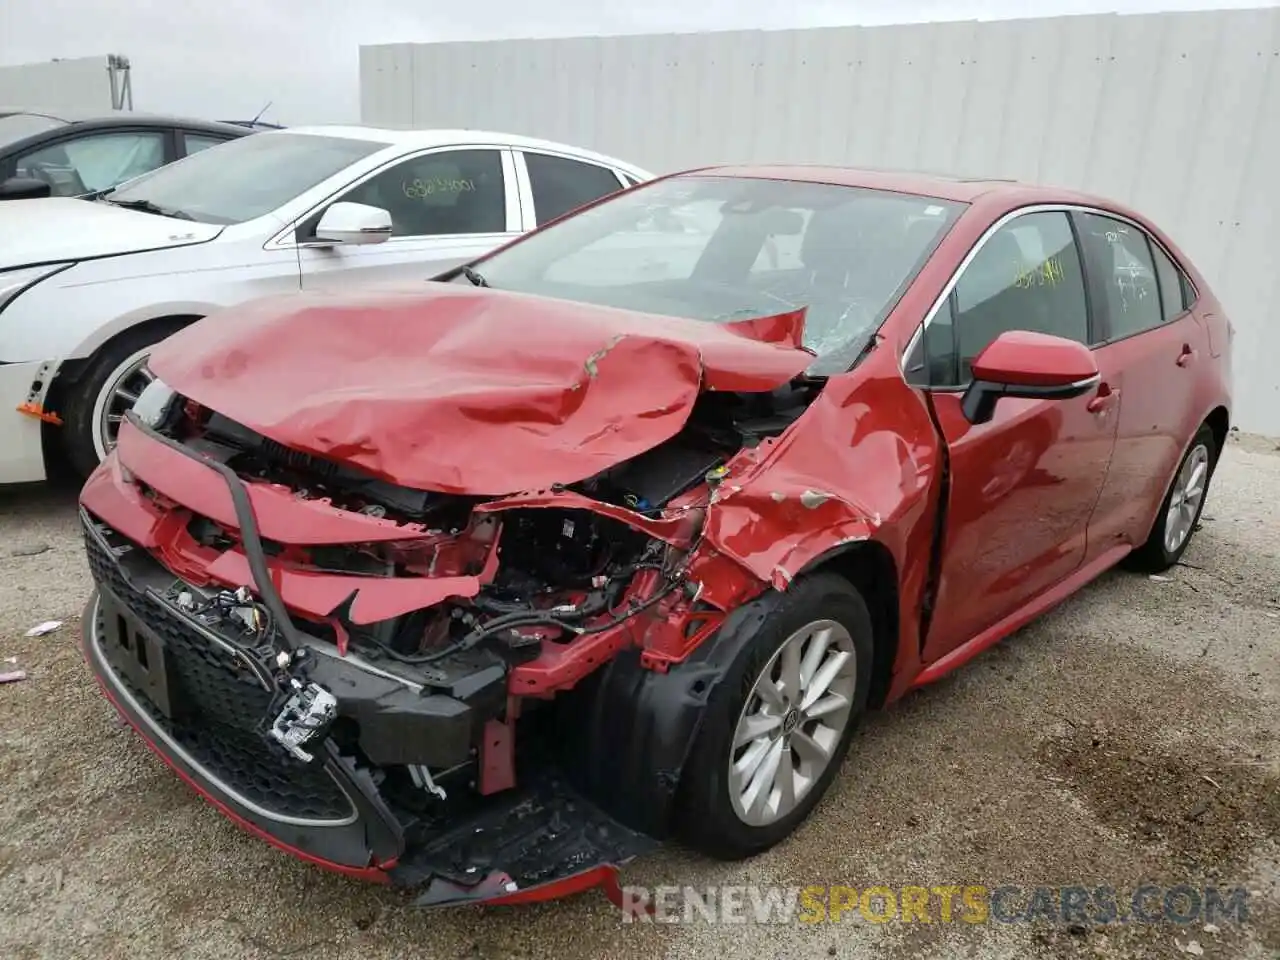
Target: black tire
pixel 707 819
pixel 1154 556
pixel 79 422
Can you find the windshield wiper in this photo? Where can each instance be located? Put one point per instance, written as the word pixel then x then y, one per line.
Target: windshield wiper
pixel 474 276
pixel 146 206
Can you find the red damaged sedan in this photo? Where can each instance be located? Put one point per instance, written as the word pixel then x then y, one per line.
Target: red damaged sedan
pixel 485 586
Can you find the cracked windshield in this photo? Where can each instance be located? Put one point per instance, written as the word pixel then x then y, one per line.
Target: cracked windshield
pixel 722 249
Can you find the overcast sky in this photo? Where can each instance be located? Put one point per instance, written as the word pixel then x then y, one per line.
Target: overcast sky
pixel 227 58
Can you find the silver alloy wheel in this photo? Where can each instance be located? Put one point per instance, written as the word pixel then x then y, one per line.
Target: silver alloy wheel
pixel 118 395
pixel 792 722
pixel 1186 498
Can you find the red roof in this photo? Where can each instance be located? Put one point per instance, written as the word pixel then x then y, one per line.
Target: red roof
pixel 942 186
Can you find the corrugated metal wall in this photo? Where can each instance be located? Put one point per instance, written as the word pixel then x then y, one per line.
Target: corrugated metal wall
pixel 79 84
pixel 1176 114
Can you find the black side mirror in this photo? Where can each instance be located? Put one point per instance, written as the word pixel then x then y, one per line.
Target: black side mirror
pixel 24 188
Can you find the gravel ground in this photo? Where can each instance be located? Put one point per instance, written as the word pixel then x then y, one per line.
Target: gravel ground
pixel 1129 736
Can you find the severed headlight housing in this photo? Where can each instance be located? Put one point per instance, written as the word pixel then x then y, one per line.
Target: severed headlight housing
pixel 156 403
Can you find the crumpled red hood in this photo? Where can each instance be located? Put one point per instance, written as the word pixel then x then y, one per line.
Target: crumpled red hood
pixel 469 390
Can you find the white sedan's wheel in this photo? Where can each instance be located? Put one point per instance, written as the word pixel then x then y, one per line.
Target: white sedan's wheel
pixel 107 387
pixel 119 393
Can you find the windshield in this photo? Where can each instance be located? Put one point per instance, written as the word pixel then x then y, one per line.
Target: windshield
pixel 719 249
pixel 243 178
pixel 19 126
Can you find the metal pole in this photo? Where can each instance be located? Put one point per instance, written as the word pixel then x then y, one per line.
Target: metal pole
pixel 121 82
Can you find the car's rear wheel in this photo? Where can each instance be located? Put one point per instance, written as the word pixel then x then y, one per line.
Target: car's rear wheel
pixel 109 387
pixel 1179 513
pixel 779 724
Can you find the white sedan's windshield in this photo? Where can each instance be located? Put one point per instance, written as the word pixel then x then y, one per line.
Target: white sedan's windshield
pixel 719 249
pixel 243 178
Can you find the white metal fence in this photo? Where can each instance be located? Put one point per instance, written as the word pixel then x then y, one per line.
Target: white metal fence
pixel 1176 114
pixel 83 83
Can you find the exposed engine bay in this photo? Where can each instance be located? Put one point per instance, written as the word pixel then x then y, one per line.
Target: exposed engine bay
pixel 561 589
pixel 720 426
pixel 439 615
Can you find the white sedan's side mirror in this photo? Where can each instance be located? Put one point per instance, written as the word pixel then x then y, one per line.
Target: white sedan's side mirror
pixel 346 222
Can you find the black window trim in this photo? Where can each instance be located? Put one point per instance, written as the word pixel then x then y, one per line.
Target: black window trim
pixel 1155 271
pixel 531 221
pixel 922 382
pixel 1186 286
pixel 1007 217
pixel 1190 293
pixel 1093 328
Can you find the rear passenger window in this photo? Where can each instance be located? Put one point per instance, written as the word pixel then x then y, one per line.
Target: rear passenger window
pixel 560 185
pixel 195 142
pixel 1188 291
pixel 1173 286
pixel 1122 254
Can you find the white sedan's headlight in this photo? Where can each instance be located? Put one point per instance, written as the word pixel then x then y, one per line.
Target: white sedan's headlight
pixel 155 403
pixel 13 282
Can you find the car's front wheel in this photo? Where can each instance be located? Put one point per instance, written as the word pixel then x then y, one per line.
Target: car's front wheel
pixel 779 724
pixel 109 387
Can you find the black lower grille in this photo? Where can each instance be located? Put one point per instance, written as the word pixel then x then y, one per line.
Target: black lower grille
pixel 218 707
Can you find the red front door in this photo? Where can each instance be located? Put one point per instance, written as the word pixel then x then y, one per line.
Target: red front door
pixel 1024 485
pixel 1023 489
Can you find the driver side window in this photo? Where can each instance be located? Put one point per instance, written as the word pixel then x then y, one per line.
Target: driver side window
pixel 1027 276
pixel 451 192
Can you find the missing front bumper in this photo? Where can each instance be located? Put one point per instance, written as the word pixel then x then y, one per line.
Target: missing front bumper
pixel 538 840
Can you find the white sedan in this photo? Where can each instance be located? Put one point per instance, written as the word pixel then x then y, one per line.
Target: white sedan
pixel 87 288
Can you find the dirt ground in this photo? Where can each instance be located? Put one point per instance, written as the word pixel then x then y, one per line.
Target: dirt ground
pixel 1133 735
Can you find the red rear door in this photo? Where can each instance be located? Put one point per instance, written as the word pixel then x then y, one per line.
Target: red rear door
pixel 1160 347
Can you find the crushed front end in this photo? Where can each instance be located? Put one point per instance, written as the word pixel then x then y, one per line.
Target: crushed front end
pixel 369 675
